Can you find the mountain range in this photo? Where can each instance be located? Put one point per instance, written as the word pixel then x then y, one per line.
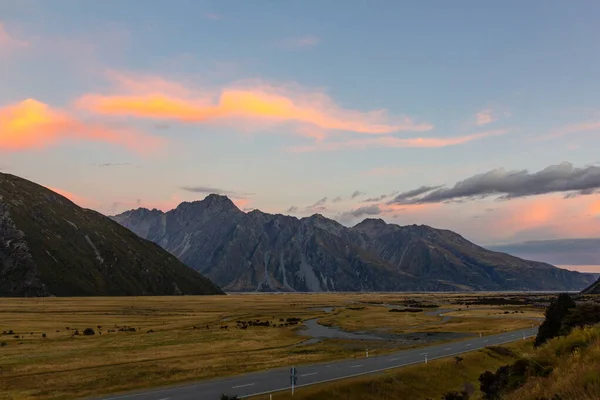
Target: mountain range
pixel 51 247
pixel 256 251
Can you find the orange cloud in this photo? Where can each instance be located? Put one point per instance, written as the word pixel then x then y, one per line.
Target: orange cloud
pixel 8 42
pixel 164 100
pixel 390 141
pixel 595 208
pixel 32 124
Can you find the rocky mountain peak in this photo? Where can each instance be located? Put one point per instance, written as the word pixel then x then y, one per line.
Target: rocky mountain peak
pixel 215 203
pixel 371 226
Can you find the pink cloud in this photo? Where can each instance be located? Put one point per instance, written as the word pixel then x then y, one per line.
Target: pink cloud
pixel 213 16
pixel 551 216
pixel 582 268
pixel 484 117
pixel 7 42
pixel 390 141
pixel 589 126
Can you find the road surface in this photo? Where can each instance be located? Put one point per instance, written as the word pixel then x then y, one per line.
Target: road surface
pixel 279 379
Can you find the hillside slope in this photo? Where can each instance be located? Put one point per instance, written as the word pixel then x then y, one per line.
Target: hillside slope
pixel 594 288
pixel 265 252
pixel 50 246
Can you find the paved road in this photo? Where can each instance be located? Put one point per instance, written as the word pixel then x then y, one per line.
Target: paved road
pixel 278 379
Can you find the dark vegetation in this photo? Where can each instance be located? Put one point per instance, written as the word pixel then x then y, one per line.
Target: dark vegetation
pixel 413 310
pixel 562 315
pixel 418 304
pixel 498 301
pixel 241 324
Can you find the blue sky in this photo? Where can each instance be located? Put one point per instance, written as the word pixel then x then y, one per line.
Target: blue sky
pixel 484 85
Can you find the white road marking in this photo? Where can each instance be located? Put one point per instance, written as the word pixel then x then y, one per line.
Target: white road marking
pixel 394 359
pixel 468 344
pixel 422 354
pixel 356 366
pixel 312 373
pixel 166 398
pixel 485 341
pixel 241 386
pixel 449 348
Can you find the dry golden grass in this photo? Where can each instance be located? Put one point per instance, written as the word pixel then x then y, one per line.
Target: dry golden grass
pixel 576 369
pixel 62 366
pixel 484 320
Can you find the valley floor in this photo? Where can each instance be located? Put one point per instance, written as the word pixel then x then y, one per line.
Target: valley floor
pixel 48 351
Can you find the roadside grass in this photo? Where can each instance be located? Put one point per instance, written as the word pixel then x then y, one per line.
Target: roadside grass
pixel 419 381
pixel 575 361
pixel 165 348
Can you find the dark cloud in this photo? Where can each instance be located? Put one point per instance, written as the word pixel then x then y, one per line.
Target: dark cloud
pixel 116 164
pixel 214 190
pixel 557 251
pixel 561 178
pixel 360 212
pixel 374 199
pixel 292 209
pixel 337 199
pixel 406 197
pixel 318 205
pixel 357 193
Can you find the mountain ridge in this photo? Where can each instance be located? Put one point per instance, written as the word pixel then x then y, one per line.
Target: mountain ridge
pixel 49 246
pixel 258 251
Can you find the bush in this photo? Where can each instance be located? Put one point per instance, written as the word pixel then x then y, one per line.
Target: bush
pixel 2 344
pixel 43 335
pixel 89 332
pixel 226 397
pixel 555 314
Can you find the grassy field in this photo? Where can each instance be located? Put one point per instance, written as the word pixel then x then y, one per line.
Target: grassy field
pixel 152 341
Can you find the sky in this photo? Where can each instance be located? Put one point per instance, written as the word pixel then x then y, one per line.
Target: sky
pixel 479 117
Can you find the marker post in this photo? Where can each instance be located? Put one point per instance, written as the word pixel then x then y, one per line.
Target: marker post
pixel 293 378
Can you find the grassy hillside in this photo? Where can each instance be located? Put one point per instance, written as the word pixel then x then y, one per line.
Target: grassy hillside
pixel 50 246
pixel 575 364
